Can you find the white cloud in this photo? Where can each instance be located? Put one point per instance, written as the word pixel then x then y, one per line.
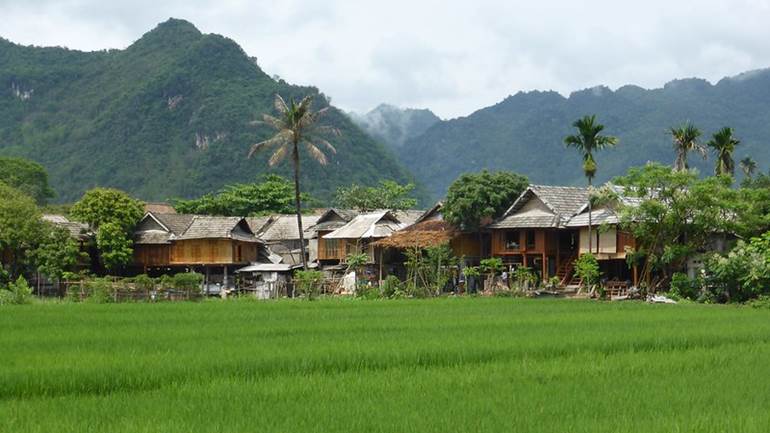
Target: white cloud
pixel 452 57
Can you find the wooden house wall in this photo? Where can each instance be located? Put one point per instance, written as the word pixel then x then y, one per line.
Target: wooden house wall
pixel 330 249
pixel 466 244
pixel 152 255
pixel 499 247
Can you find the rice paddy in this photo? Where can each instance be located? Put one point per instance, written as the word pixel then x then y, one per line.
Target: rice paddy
pixel 441 365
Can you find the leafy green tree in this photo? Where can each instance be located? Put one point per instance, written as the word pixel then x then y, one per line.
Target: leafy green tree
pixel 113 214
pixel 686 140
pixel 748 166
pixel 273 194
pixel 723 144
pixel 587 141
pixel 474 197
pixel 115 247
pixel 308 283
pixel 678 214
pixel 18 293
pixel 388 195
pixel 56 253
pixel 587 269
pixel 296 125
pixel 27 176
pixel 20 227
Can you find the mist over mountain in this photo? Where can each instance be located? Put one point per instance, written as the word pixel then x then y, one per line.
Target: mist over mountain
pixel 525 132
pixel 169 116
pixel 394 126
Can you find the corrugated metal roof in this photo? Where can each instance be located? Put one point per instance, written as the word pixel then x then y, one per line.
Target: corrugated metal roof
pixel 371 225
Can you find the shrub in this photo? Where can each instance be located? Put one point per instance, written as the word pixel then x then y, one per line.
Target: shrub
pixel 99 290
pixel 143 282
pixel 308 283
pixel 524 278
pixel 683 287
pixel 365 291
pixel 741 275
pixel 492 266
pixel 761 302
pixel 587 269
pixel 391 286
pixel 18 293
pixel 188 282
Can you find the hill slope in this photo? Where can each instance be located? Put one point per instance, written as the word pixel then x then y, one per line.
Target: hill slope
pixel 394 126
pixel 524 132
pixel 166 117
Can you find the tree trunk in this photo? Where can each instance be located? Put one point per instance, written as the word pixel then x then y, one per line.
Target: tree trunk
pixel 295 158
pixel 590 238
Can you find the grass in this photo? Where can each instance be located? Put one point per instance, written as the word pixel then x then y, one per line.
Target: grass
pixel 444 365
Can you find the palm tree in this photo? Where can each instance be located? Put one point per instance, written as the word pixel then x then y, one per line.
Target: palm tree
pixel 723 144
pixel 686 139
pixel 749 166
pixel 295 125
pixel 587 141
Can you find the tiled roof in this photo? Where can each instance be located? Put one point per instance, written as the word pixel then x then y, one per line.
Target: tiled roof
pixel 77 230
pixel 185 227
pixel 284 227
pixel 257 224
pixel 517 221
pixel 562 203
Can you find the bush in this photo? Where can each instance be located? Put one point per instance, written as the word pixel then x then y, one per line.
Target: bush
pixel 188 282
pixel 743 274
pixel 18 293
pixel 391 287
pixel 365 291
pixel 99 290
pixel 308 283
pixel 587 269
pixel 682 287
pixel 143 282
pixel 762 302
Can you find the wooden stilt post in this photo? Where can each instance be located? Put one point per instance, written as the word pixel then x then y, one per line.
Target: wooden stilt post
pixel 381 248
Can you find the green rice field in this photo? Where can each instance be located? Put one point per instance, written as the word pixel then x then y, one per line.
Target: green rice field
pixel 441 365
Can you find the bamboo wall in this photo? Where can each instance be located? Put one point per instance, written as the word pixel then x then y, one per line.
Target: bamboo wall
pixel 196 252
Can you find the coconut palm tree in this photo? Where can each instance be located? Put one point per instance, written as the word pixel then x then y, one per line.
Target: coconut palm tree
pixel 686 140
pixel 296 126
pixel 587 141
pixel 723 144
pixel 748 166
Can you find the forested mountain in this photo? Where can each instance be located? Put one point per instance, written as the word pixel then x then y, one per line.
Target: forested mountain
pixel 525 132
pixel 166 117
pixel 394 126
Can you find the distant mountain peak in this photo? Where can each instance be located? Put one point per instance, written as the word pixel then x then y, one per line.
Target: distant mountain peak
pixel 393 125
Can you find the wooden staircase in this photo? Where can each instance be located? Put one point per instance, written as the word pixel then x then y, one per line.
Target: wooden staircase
pixel 566 274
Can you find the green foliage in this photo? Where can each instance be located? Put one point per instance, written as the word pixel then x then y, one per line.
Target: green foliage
pixel 21 227
pixel 99 290
pixel 56 253
pixel 723 145
pixel 492 265
pixel 18 293
pixel 680 213
pixel 524 277
pixel 588 141
pixel 99 206
pixel 27 176
pixel 391 287
pixel 388 195
pixel 143 282
pixel 272 194
pixel 356 260
pixel 308 283
pixel 166 117
pixel 587 269
pixel 476 196
pixel 115 247
pixel 189 282
pixel 682 287
pixel 472 271
pixel 743 274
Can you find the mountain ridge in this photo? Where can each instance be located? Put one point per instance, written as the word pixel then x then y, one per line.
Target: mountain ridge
pixel 168 116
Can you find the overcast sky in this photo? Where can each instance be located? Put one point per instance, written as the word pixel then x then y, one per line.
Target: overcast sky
pixel 451 57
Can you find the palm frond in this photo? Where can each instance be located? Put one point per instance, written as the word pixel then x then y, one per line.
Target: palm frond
pixel 276 140
pixel 279 155
pixel 326 144
pixel 316 153
pixel 280 104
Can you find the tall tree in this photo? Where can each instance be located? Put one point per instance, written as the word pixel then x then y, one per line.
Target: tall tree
pixel 685 140
pixel 723 144
pixel 27 176
pixel 295 125
pixel 388 195
pixel 748 166
pixel 587 141
pixel 473 197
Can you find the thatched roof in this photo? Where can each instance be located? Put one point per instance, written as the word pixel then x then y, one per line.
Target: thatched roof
pixel 424 234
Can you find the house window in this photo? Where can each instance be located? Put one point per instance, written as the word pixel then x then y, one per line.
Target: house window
pixel 330 247
pixel 530 239
pixel 512 240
